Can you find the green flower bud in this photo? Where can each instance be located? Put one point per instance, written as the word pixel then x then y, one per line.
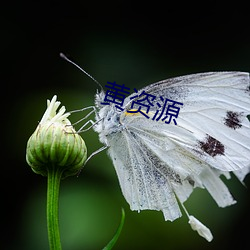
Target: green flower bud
pixel 55 144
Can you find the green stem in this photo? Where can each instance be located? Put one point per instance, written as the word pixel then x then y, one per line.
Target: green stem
pixel 54 177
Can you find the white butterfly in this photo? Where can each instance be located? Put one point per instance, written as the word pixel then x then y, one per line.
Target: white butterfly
pixel 158 164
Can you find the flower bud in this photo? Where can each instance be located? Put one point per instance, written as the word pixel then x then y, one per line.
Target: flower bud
pixel 55 144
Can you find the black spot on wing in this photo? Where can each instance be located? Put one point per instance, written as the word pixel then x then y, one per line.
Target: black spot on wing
pixel 248 89
pixel 233 119
pixel 212 146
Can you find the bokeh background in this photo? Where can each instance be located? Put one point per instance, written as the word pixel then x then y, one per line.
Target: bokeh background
pixel 132 43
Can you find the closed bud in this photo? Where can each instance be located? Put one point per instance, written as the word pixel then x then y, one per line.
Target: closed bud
pixel 55 144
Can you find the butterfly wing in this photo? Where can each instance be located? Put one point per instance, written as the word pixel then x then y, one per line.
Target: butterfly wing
pixel 215 109
pixel 155 161
pixel 141 183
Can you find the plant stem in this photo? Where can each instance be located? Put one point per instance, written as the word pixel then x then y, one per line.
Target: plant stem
pixel 54 177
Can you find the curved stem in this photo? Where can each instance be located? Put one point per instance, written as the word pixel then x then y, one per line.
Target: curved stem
pixel 54 177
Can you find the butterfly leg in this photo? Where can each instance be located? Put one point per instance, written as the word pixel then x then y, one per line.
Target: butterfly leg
pixel 81 129
pixel 94 153
pixel 86 116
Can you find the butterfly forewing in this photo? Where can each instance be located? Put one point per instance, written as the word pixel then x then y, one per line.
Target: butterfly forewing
pixel 215 106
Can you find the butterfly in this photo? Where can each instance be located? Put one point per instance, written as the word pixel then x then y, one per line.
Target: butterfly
pixel 159 165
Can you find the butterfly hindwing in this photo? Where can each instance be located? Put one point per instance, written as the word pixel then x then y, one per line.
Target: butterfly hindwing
pixel 142 184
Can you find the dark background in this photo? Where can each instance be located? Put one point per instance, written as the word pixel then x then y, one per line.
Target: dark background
pixel 132 43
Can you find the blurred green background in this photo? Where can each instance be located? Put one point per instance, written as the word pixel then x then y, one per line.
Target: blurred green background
pixel 132 43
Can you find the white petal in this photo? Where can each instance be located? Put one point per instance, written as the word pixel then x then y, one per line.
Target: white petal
pixel 51 114
pixel 50 110
pixel 200 228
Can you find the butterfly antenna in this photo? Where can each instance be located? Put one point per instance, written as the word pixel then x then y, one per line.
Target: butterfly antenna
pixel 68 60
